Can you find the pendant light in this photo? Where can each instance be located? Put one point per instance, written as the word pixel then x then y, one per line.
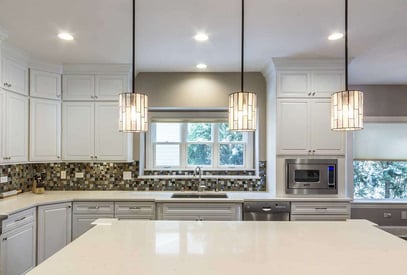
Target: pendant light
pixel 133 107
pixel 347 106
pixel 242 105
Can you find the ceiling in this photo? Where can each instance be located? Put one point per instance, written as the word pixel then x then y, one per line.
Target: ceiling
pixel 165 30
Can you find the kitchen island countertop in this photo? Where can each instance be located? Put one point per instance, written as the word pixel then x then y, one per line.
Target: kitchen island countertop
pixel 24 201
pixel 179 247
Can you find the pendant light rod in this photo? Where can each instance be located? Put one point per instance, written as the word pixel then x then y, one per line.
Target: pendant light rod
pixel 242 52
pixel 346 46
pixel 133 50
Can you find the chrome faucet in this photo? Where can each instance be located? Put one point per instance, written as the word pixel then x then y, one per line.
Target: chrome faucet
pixel 202 186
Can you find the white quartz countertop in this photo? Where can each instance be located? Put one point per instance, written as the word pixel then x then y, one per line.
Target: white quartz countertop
pixel 280 248
pixel 26 200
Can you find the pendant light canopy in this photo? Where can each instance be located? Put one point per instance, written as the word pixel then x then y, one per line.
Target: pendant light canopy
pixel 133 107
pixel 347 106
pixel 242 105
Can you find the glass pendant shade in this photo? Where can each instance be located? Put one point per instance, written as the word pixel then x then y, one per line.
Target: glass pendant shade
pixel 133 109
pixel 347 111
pixel 242 111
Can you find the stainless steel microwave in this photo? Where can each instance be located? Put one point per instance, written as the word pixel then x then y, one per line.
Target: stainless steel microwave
pixel 311 176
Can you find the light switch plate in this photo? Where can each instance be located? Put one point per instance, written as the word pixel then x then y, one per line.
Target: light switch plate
pixel 79 175
pixel 127 175
pixel 404 215
pixel 4 179
pixel 63 175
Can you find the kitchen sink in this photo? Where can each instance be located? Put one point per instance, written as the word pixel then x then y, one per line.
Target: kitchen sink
pixel 199 196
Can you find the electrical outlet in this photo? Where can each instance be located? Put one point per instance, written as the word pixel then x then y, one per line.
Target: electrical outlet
pixel 127 175
pixel 4 179
pixel 63 175
pixel 404 215
pixel 79 175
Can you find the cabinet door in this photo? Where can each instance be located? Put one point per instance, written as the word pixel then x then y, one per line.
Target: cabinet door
pixel 324 83
pixel 108 87
pixel 324 141
pixel 45 130
pixel 110 144
pixel 78 130
pixel 78 87
pixel 17 128
pixel 15 76
pixel 293 83
pixel 54 229
pixel 82 223
pixel 45 84
pixel 2 125
pixel 292 127
pixel 17 250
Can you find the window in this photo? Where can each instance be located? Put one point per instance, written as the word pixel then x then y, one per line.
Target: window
pixel 380 165
pixel 183 145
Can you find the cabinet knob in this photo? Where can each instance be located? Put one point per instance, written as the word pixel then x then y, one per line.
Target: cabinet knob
pixel 96 96
pixel 309 151
pixel 5 239
pixel 309 94
pixel 58 96
pixel 95 157
pixel 313 151
pixel 91 157
pixel 58 157
pixel 313 94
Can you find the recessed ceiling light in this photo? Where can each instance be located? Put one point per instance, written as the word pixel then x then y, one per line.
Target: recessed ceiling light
pixel 201 37
pixel 201 66
pixel 65 36
pixel 335 36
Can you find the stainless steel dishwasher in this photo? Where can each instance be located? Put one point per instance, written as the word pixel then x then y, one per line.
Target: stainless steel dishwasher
pixel 267 211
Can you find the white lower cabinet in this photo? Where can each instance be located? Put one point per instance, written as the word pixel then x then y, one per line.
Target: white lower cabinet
pixel 320 211
pixel 200 211
pixel 84 213
pixel 54 229
pixel 18 243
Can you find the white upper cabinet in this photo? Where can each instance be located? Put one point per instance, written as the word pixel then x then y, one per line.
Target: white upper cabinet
pixel 309 83
pixel 304 128
pixel 94 87
pixel 14 76
pixel 78 87
pixel 45 130
pixel 91 133
pixel 78 130
pixel 110 144
pixel 16 130
pixel 3 157
pixel 45 84
pixel 108 87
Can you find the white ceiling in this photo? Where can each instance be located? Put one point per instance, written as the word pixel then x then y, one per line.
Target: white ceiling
pixel 165 30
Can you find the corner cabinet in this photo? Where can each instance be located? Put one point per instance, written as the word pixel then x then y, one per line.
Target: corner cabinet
pixel 18 243
pixel 90 132
pixel 192 211
pixel 14 127
pixel 304 128
pixel 54 229
pixel 45 130
pixel 45 84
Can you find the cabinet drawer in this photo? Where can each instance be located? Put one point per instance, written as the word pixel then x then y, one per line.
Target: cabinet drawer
pixel 196 211
pixel 19 219
pixel 319 217
pixel 94 207
pixel 321 208
pixel 136 210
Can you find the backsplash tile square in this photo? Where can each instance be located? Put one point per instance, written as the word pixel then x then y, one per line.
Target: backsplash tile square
pixel 109 176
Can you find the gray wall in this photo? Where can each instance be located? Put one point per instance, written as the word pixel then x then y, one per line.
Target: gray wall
pixel 202 90
pixel 384 100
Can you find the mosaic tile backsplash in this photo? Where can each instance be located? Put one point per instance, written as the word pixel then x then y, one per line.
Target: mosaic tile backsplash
pixel 109 176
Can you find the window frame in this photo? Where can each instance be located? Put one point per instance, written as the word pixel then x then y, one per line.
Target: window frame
pixel 248 144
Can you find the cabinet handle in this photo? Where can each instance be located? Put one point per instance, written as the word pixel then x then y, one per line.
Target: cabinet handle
pixel 134 208
pixel 5 239
pixel 321 208
pixel 19 220
pixel 93 207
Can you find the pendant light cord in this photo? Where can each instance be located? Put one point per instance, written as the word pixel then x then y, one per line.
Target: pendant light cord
pixel 346 45
pixel 242 52
pixel 133 49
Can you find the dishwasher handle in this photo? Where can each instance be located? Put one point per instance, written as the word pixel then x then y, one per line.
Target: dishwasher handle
pixel 266 209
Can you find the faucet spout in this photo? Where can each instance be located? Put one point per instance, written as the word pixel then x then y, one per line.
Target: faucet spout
pixel 198 172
